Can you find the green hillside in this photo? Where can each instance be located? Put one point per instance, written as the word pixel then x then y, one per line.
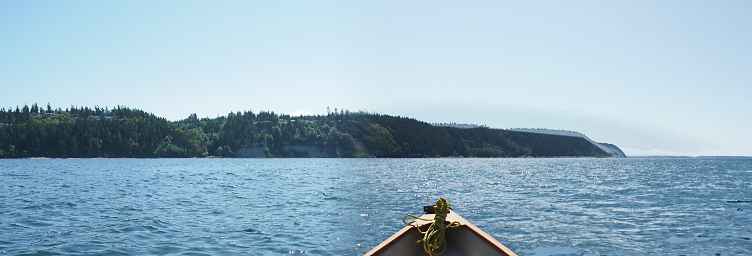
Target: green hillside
pixel 32 131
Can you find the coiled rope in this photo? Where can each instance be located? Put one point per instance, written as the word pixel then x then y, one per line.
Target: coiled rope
pixel 434 239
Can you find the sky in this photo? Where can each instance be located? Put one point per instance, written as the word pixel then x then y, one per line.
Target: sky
pixel 653 77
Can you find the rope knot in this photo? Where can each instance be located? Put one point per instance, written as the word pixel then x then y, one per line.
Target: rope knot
pixel 434 239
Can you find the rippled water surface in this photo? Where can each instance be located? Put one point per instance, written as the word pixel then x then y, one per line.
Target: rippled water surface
pixel 346 206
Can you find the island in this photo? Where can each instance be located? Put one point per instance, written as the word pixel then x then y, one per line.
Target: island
pixel 34 131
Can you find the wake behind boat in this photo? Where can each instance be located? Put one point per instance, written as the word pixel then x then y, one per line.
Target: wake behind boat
pixel 461 238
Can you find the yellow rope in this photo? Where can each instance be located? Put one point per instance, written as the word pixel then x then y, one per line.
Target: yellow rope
pixel 434 239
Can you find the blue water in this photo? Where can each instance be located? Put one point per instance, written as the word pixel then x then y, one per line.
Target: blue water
pixel 346 206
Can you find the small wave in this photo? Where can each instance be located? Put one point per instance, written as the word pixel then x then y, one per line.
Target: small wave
pixel 39 253
pixel 34 223
pixel 15 175
pixel 165 249
pixel 679 240
pixel 327 198
pixel 227 186
pixel 555 251
pixel 128 209
pixel 49 206
pixel 252 231
pixel 160 223
pixel 195 254
pixel 136 228
pixel 112 252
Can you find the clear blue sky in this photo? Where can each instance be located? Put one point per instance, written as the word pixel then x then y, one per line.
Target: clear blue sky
pixel 654 77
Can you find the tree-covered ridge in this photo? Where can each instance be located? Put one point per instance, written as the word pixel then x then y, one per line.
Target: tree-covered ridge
pixel 33 131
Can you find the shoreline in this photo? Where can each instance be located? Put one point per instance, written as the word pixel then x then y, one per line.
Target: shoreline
pixel 407 157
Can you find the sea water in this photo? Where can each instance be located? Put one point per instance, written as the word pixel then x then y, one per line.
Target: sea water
pixel 580 206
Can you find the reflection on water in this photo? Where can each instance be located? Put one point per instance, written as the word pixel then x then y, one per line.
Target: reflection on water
pixel 346 206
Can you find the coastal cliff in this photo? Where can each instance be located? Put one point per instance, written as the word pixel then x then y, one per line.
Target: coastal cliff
pixel 611 149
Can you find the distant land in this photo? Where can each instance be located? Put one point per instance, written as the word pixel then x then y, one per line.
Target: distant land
pixel 35 131
pixel 611 149
pixel 696 157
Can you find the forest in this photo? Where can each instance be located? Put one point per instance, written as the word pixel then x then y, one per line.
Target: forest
pixel 35 131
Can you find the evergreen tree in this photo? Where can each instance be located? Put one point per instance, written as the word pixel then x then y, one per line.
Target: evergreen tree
pixel 126 132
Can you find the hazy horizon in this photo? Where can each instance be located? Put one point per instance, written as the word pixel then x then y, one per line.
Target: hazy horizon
pixel 654 78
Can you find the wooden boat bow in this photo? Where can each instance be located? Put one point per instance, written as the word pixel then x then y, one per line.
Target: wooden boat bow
pixel 467 239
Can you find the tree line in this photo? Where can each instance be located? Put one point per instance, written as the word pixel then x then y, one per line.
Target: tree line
pixel 34 131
